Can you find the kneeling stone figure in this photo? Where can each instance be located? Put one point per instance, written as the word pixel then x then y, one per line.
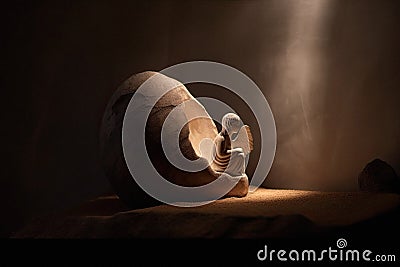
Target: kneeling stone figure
pixel 232 145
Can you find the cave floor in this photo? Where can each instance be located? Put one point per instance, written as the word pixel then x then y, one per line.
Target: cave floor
pixel 263 213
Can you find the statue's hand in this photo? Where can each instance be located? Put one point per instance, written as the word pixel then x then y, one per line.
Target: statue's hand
pixel 237 149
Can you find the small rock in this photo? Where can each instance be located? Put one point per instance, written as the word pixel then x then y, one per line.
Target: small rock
pixel 379 176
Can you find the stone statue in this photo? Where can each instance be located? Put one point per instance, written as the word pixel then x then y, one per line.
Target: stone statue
pixel 232 145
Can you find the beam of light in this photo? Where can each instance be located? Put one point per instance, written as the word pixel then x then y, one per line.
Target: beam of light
pixel 295 91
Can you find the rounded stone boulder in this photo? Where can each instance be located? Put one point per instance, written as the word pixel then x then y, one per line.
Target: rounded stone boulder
pixel 190 137
pixel 379 176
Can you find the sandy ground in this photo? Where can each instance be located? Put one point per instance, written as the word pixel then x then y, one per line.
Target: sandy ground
pixel 266 212
pixel 324 208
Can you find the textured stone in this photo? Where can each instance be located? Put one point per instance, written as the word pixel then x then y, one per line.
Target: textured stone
pixel 111 140
pixel 379 176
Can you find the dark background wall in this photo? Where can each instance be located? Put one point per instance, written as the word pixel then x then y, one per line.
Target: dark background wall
pixel 329 69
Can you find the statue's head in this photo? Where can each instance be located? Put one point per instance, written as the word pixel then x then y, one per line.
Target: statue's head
pixel 231 123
